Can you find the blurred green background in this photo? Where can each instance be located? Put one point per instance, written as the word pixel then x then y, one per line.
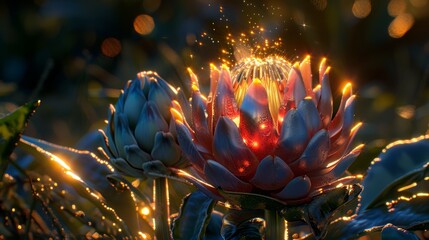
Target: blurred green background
pixel 75 55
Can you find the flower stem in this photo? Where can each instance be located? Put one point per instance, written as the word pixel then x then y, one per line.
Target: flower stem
pixel 275 225
pixel 162 206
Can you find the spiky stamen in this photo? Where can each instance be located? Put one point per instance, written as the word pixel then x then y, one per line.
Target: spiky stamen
pixel 271 71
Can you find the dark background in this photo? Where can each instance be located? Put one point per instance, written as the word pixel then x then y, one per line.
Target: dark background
pixel 75 55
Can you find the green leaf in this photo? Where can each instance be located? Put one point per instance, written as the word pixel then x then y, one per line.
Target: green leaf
pixel 59 168
pixel 317 213
pixel 99 176
pixel 11 128
pixel 194 217
pixel 407 213
pixel 213 229
pixel 407 185
pixel 120 182
pixel 325 208
pixel 400 164
pixel 391 232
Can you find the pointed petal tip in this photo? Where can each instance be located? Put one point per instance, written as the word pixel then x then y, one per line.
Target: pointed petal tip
pixel 189 70
pixel 195 88
pixel 328 69
pixel 347 88
pixel 358 149
pixel 213 66
pixel 306 58
pixel 256 81
pixel 111 108
pixel 357 127
pixel 176 115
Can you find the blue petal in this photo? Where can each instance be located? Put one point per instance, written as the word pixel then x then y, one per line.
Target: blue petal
pixel 134 103
pixel 311 115
pixel 156 167
pixel 150 122
pixel 159 96
pixel 165 149
pixel 123 134
pixel 325 176
pixel 136 156
pixel 293 137
pixel 298 188
pixel 314 154
pixel 219 176
pixel 188 147
pixel 272 174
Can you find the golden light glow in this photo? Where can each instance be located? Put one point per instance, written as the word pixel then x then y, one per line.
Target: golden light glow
pixel 145 211
pixel 407 187
pixel 189 176
pixel 400 25
pixel 144 24
pixel 406 112
pixel 347 88
pixel 361 8
pixel 413 140
pixel 176 115
pixel 111 47
pixel 144 236
pixel 356 127
pixel 403 198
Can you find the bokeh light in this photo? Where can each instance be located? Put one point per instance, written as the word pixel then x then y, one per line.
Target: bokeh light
pixel 361 8
pixel 111 47
pixel 400 25
pixel 396 7
pixel 144 24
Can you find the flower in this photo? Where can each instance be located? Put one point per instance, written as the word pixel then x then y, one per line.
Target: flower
pixel 138 137
pixel 264 129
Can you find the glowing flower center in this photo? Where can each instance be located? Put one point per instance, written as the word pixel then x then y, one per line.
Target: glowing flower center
pixel 272 71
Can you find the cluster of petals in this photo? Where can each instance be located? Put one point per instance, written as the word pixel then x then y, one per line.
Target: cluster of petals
pixel 138 136
pixel 275 137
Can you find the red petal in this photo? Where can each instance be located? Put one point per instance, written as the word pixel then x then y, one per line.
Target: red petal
pixel 256 123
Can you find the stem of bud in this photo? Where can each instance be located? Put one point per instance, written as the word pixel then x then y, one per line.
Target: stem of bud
pixel 162 207
pixel 274 225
